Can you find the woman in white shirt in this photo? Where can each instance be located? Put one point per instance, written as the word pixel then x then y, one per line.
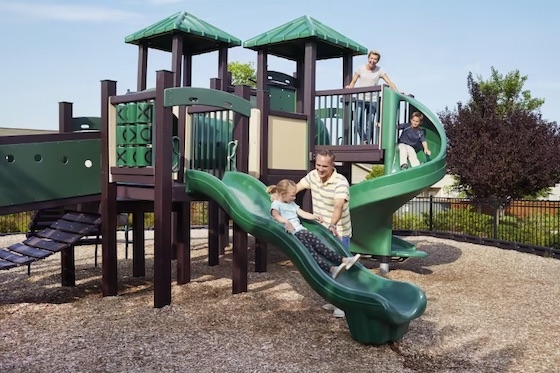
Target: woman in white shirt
pixel 368 76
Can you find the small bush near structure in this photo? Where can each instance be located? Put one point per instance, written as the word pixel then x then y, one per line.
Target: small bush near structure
pixel 15 223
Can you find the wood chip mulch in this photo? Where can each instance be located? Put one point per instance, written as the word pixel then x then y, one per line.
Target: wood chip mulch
pixel 489 310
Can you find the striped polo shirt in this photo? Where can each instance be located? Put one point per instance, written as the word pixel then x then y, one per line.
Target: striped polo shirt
pixel 323 196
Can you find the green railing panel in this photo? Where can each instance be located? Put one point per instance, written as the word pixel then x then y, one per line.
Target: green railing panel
pixel 38 172
pixel 188 96
pixel 211 134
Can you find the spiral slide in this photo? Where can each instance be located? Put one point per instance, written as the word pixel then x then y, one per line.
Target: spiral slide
pixel 378 310
pixel 373 202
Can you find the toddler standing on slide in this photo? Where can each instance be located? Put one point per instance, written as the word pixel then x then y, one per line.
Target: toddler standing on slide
pixel 285 211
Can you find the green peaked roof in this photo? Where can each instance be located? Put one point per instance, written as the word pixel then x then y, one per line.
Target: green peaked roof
pixel 288 40
pixel 199 36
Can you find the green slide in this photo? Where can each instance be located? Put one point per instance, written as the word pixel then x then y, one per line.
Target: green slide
pixel 378 310
pixel 373 202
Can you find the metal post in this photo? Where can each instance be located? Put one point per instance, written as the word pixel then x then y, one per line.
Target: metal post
pixel 431 213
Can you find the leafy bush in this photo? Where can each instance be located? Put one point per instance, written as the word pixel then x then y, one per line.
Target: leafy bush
pixel 463 221
pixel 199 213
pixel 15 223
pixel 149 220
pixel 537 229
pixel 540 230
pixel 376 171
pixel 9 226
pixel 409 221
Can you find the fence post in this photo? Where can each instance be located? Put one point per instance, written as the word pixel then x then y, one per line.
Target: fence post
pixel 496 209
pixel 431 212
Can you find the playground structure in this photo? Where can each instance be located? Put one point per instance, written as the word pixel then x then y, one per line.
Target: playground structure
pixel 163 148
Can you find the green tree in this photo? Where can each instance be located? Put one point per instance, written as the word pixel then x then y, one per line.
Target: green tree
pixel 509 91
pixel 243 73
pixel 499 145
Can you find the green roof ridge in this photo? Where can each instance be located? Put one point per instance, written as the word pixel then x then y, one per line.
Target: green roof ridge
pixel 302 28
pixel 182 22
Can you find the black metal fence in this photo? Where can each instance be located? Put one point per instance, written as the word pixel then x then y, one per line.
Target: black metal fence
pixel 528 226
pixel 523 225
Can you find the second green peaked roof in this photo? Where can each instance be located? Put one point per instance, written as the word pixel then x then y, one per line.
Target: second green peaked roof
pixel 199 36
pixel 288 40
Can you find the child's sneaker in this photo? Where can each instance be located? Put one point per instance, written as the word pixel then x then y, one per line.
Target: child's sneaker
pixel 352 260
pixel 338 313
pixel 337 270
pixel 329 307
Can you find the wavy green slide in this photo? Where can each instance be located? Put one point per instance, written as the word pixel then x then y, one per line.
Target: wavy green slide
pixel 378 310
pixel 373 202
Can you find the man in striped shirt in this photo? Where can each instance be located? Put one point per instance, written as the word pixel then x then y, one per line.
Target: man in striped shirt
pixel 330 194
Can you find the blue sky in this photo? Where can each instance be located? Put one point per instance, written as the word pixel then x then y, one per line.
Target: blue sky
pixel 59 50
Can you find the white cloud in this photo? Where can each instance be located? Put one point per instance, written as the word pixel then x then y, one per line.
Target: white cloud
pixel 69 13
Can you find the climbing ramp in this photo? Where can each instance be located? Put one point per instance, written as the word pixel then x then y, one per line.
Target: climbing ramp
pixel 65 232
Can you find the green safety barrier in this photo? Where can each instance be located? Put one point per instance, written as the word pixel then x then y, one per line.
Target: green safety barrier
pixel 35 172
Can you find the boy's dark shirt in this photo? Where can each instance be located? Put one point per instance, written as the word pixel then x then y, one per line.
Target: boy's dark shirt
pixel 411 137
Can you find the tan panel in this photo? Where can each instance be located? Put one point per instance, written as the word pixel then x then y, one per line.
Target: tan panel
pixel 287 143
pixel 255 143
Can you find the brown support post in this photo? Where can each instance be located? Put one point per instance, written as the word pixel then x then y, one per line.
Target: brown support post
pixel 182 118
pixel 142 67
pixel 240 237
pixel 241 132
pixel 108 199
pixel 138 244
pixel 176 61
pixel 162 193
pixel 183 243
pixel 222 219
pixel 222 67
pixel 215 83
pixel 67 264
pixel 213 234
pixel 300 80
pixel 347 69
pixel 223 239
pixel 346 79
pixel 65 117
pixel 309 92
pixel 309 108
pixel 184 216
pixel 176 58
pixel 187 70
pixel 215 216
pixel 263 104
pixel 68 268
